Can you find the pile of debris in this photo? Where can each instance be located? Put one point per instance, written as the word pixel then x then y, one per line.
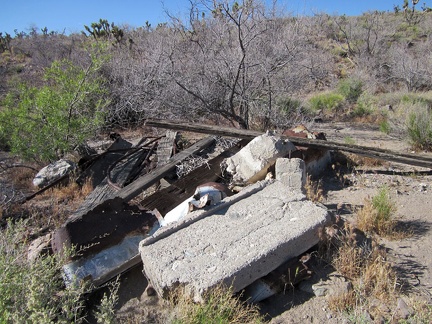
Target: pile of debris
pixel 241 218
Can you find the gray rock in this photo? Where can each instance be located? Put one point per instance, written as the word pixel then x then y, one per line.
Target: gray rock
pixel 335 285
pixel 38 247
pixel 53 172
pixel 402 309
pixel 252 162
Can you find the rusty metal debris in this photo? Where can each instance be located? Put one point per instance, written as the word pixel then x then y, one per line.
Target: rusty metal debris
pixel 105 230
pixel 207 194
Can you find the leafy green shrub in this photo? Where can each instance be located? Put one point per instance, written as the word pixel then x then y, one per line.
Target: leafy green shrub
pixel 419 128
pixel 384 127
pixel 43 123
pixel 382 203
pixel 33 291
pixel 326 101
pixel 105 312
pixel 412 99
pixel 351 89
pixel 361 110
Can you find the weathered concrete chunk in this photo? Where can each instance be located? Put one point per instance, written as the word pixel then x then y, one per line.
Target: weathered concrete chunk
pixel 236 242
pixel 52 172
pixel 253 161
pixel 292 172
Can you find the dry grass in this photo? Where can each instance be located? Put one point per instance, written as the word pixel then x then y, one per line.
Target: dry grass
pixel 363 261
pixel 343 303
pixel 376 216
pixel 373 278
pixel 314 190
pixel 365 161
pixel 21 177
pixel 218 306
pixel 71 194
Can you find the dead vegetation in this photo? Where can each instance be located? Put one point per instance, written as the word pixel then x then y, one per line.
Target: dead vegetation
pixel 314 189
pixel 218 306
pixel 364 262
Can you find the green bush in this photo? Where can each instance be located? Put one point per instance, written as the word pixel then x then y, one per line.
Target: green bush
pixel 289 106
pixel 412 99
pixel 384 127
pixel 326 101
pixel 361 110
pixel 33 291
pixel 419 128
pixel 43 123
pixel 383 206
pixel 351 89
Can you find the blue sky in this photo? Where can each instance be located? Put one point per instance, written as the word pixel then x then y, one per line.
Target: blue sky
pixel 72 15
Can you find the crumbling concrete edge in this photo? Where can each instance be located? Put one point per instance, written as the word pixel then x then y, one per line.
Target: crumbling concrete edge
pixel 195 216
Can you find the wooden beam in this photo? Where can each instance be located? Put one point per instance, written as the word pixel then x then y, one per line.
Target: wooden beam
pixel 166 199
pixel 144 182
pixel 372 152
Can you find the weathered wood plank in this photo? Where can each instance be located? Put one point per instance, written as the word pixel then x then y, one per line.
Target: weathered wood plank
pixel 105 192
pixel 166 199
pixel 135 188
pixel 376 153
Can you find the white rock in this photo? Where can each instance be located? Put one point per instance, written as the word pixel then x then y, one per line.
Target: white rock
pixel 53 172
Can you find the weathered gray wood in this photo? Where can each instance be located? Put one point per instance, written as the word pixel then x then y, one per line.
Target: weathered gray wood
pixel 372 152
pixel 135 188
pixel 166 199
pixel 99 168
pixel 105 192
pixel 165 147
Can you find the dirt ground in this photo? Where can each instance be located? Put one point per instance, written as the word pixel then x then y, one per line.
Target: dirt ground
pixel 410 190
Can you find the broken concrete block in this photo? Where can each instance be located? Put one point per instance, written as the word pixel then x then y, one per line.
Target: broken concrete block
pixel 236 242
pixel 52 172
pixel 252 162
pixel 292 172
pixel 316 159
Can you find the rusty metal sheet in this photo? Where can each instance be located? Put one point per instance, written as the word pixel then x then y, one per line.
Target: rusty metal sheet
pixel 105 225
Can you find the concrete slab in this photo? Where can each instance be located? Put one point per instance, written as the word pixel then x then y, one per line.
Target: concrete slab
pixel 236 242
pixel 254 160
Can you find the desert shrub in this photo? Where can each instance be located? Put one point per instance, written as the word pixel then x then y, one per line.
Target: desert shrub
pixel 105 311
pixel 288 105
pixel 384 127
pixel 327 101
pixel 33 291
pixel 376 216
pixel 361 110
pixel 218 306
pixel 42 123
pixel 419 128
pixel 412 98
pixel 371 275
pixel 350 89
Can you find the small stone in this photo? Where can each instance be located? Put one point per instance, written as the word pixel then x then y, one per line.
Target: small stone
pixel 38 247
pixel 150 291
pixel 402 309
